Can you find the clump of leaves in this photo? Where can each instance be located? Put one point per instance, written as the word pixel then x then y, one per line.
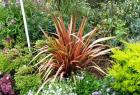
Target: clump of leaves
pixel 40 43
pixel 3 63
pixel 8 42
pixel 69 51
pixel 87 84
pixel 126 69
pixel 24 70
pixel 24 83
pixel 11 60
pixel 11 25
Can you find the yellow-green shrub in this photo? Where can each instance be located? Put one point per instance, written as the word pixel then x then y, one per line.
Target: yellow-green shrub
pixel 126 70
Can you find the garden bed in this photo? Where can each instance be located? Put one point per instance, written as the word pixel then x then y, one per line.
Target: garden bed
pixel 78 47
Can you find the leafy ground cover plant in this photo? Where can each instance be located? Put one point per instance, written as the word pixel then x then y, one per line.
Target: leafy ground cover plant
pixel 87 84
pixel 12 59
pixel 60 87
pixel 24 83
pixel 83 83
pixel 126 70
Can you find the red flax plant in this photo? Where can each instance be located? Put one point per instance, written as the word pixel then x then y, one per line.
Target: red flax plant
pixel 69 51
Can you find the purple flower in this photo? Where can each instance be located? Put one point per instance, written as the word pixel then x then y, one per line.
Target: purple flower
pixel 8 39
pixel 6 85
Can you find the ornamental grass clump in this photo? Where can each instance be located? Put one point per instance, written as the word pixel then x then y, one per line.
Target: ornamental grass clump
pixel 68 51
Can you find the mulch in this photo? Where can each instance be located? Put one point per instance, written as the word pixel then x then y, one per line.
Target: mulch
pixel 104 62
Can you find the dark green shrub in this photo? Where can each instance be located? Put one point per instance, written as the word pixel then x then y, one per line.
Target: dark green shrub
pixel 11 24
pixel 87 84
pixel 126 71
pixel 135 28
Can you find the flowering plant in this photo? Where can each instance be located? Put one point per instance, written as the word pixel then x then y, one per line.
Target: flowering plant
pixel 6 85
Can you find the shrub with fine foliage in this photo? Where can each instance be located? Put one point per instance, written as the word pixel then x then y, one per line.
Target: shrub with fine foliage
pixel 126 70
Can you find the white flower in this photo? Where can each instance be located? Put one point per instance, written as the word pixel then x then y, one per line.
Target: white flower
pixel 80 77
pixel 30 92
pixel 87 81
pixel 50 86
